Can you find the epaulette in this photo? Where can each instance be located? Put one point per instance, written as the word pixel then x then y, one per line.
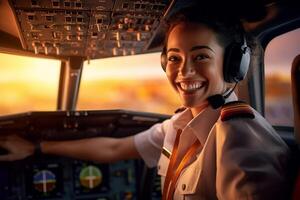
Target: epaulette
pixel 236 109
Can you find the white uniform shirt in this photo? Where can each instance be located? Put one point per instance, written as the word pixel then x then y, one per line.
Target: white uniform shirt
pixel 241 158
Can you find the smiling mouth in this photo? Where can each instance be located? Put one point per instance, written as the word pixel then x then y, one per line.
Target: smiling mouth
pixel 191 86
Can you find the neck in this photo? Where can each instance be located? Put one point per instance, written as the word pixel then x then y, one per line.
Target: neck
pixel 196 110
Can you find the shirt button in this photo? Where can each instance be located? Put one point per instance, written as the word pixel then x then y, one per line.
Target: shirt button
pixel 158 167
pixel 183 187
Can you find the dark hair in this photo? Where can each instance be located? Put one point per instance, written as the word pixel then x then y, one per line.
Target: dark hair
pixel 228 29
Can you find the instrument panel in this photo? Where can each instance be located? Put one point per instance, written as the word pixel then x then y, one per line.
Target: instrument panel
pixel 61 178
pixel 87 28
pixel 55 177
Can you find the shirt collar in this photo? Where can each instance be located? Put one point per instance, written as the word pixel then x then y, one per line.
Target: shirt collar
pixel 200 125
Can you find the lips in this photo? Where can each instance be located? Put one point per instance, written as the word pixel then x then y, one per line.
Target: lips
pixel 190 86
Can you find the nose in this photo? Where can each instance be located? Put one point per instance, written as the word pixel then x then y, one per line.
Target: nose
pixel 187 68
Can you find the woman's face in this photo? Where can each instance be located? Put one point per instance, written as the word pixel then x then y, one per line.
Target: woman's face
pixel 195 63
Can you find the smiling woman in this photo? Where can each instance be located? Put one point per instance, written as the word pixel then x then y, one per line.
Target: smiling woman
pixel 27 83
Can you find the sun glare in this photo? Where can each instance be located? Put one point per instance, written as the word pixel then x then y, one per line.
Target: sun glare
pixel 131 82
pixel 28 83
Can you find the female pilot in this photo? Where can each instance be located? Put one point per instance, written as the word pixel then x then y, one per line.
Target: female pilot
pixel 216 148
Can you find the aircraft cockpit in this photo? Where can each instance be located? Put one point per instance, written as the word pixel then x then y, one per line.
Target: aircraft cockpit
pixel 78 69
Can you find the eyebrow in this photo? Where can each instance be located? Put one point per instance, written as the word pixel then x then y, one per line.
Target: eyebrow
pixel 201 47
pixel 193 48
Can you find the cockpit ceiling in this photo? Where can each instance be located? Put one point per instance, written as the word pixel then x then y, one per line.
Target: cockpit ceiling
pixel 87 28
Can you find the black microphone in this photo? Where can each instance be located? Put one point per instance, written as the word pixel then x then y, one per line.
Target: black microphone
pixel 218 100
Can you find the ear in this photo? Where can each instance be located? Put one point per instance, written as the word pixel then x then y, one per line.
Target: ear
pixel 163 58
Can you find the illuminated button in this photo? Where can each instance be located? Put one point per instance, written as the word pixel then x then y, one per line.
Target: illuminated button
pixel 44 181
pixel 90 177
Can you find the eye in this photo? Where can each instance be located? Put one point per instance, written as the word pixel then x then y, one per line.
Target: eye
pixel 201 57
pixel 174 59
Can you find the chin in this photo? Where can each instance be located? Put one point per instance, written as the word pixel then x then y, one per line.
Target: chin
pixel 193 104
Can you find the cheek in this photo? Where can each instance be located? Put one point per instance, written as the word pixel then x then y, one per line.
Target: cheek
pixel 213 70
pixel 171 75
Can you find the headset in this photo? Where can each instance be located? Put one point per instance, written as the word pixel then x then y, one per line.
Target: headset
pixel 236 61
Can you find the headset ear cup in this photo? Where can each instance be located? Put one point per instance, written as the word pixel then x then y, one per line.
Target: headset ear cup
pixel 236 63
pixel 163 59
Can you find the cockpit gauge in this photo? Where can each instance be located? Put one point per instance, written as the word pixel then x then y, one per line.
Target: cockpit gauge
pixel 90 177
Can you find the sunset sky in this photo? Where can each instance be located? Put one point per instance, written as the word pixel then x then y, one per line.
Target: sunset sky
pixel 28 83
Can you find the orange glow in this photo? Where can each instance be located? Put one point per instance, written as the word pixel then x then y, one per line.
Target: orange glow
pixel 279 56
pixel 132 82
pixel 27 83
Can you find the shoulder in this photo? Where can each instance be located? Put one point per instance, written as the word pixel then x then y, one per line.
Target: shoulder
pixel 238 121
pixel 236 109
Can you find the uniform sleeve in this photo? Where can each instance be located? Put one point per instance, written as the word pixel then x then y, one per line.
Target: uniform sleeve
pixel 149 143
pixel 251 161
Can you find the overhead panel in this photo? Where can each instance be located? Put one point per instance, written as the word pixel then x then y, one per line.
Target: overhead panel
pixel 87 28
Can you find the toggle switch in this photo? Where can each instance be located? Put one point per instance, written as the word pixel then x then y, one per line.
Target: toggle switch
pixel 46 47
pixel 132 51
pixel 118 37
pixel 147 27
pixel 138 36
pixel 115 51
pixel 124 52
pixel 67 27
pixel 98 27
pixel 36 46
pixel 57 48
pixel 118 43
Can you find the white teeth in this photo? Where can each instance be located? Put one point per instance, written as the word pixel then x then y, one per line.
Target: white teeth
pixel 190 86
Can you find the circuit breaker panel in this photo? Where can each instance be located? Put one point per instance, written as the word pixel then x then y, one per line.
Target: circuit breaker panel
pixel 87 28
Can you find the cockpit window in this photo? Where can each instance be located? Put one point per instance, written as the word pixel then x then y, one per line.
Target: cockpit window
pixel 128 82
pixel 28 84
pixel 279 56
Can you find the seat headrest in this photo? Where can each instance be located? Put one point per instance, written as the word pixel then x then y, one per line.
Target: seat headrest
pixel 295 78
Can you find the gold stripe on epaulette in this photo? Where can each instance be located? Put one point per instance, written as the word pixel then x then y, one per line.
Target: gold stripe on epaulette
pixel 236 109
pixel 166 152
